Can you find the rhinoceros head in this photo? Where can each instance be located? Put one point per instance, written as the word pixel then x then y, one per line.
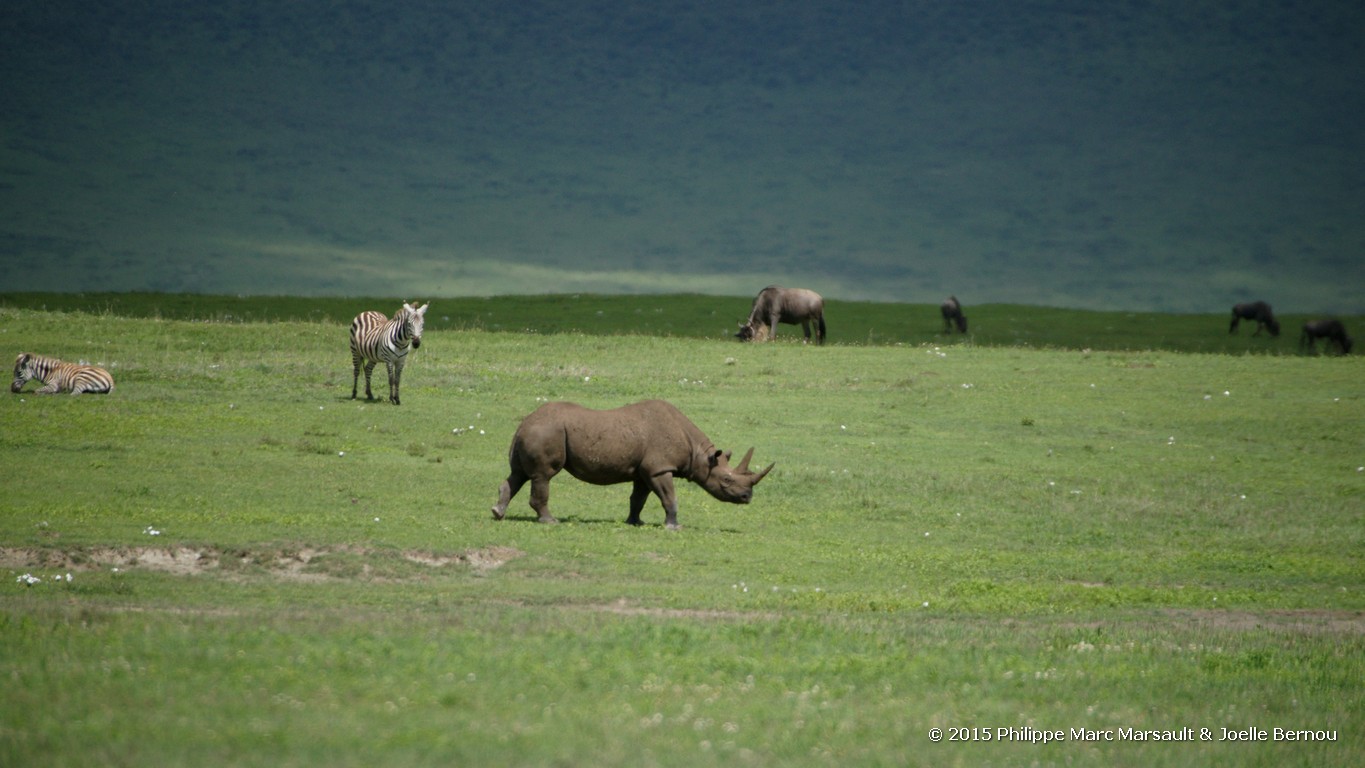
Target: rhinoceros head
pixel 733 484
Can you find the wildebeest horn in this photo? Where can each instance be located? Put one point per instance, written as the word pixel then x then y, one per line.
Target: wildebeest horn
pixel 743 465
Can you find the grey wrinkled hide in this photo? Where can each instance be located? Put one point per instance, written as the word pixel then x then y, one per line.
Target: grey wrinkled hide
pixel 793 306
pixel 647 443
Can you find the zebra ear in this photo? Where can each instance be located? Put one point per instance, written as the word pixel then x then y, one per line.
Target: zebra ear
pixel 423 309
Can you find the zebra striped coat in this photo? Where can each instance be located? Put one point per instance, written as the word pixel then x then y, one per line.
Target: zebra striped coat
pixel 376 339
pixel 59 376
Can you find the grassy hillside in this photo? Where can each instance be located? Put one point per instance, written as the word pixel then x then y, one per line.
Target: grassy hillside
pixel 228 561
pixel 1146 154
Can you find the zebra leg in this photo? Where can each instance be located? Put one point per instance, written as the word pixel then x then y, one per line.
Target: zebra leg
pixel 355 375
pixel 50 389
pixel 395 375
pixel 369 371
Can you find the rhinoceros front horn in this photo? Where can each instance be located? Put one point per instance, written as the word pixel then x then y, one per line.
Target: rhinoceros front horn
pixel 743 467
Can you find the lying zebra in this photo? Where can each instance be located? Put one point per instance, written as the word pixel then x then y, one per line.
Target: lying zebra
pixel 59 376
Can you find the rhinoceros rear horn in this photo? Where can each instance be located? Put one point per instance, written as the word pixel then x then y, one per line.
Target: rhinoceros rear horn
pixel 743 465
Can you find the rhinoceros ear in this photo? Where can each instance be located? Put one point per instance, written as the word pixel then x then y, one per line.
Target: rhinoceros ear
pixel 715 458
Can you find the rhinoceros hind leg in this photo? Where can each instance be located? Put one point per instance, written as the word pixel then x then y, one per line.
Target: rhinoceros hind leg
pixel 506 491
pixel 540 499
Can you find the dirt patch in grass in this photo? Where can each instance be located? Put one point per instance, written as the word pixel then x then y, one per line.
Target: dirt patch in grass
pixel 303 563
pixel 1302 621
pixel 624 607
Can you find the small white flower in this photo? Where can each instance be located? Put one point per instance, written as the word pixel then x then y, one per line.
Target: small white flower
pixel 341 453
pixel 29 580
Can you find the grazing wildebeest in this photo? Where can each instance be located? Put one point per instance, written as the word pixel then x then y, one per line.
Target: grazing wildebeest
pixel 776 304
pixel 647 443
pixel 1331 329
pixel 1258 311
pixel 952 314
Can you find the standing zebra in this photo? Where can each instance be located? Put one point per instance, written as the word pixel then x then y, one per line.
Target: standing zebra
pixel 60 376
pixel 375 338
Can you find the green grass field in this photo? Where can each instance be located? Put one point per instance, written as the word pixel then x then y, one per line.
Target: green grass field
pixel 1100 524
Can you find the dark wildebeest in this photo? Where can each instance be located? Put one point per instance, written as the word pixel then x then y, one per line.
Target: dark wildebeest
pixel 776 304
pixel 1258 311
pixel 952 314
pixel 1332 330
pixel 647 443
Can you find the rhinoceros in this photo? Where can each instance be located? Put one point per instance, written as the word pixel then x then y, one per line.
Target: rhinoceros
pixel 776 304
pixel 647 443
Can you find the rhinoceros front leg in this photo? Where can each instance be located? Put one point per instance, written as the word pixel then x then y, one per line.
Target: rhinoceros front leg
pixel 637 502
pixel 662 485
